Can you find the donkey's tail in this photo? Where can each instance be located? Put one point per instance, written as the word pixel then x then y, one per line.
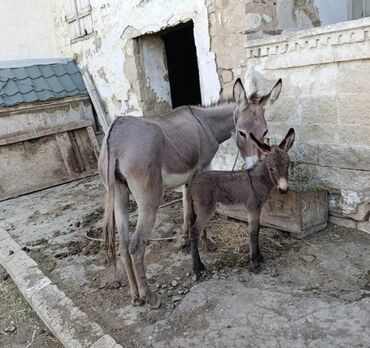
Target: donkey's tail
pixel 109 224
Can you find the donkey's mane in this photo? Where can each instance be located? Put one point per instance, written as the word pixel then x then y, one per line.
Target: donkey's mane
pixel 218 102
pixel 254 98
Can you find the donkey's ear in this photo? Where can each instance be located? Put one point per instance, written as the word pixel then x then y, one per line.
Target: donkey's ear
pixel 288 141
pixel 239 92
pixel 272 95
pixel 262 146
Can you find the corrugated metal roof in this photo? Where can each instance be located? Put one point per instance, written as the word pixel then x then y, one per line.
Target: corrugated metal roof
pixel 29 80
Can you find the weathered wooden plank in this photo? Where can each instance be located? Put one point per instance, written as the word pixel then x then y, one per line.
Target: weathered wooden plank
pixel 68 155
pixel 76 151
pixel 18 137
pixel 87 148
pixel 93 141
pixel 37 163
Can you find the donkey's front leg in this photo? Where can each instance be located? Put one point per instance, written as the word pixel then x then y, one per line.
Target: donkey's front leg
pixel 254 229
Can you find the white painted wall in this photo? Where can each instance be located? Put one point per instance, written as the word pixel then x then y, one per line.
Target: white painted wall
pixel 116 23
pixel 333 11
pixel 27 30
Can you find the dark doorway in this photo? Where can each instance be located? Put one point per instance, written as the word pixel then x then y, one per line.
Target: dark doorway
pixel 182 66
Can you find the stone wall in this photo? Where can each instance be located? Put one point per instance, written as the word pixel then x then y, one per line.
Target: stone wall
pixel 326 74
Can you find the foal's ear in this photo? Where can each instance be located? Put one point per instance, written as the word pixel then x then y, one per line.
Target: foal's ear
pixel 272 95
pixel 288 141
pixel 239 92
pixel 262 146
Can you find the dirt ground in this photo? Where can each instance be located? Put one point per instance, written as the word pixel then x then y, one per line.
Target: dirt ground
pixel 332 266
pixel 19 325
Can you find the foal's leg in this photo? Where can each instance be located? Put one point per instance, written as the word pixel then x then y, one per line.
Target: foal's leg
pixel 121 212
pixel 203 216
pixel 254 229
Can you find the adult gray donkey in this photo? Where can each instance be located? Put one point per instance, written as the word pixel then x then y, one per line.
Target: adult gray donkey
pixel 144 155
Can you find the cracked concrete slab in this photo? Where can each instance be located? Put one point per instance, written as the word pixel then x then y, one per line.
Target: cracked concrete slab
pixel 230 314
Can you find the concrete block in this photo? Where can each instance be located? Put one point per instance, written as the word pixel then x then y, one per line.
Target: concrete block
pixel 106 342
pixel 353 109
pixel 319 133
pixel 348 223
pixel 305 152
pixel 319 109
pixel 69 324
pixel 285 109
pixel 353 135
pixel 353 77
pixel 336 178
pixel 344 156
pixel 364 226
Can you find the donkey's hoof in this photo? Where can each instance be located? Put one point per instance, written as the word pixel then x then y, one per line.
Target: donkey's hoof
pixel 137 301
pixel 200 272
pixel 153 300
pixel 256 262
pixel 199 276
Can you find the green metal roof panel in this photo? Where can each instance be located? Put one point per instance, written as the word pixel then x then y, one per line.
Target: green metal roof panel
pixel 28 81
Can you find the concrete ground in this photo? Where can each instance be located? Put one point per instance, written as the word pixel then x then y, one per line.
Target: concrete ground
pixel 310 293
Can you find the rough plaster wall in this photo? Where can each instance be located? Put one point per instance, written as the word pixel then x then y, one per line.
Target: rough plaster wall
pixel 27 30
pixel 109 54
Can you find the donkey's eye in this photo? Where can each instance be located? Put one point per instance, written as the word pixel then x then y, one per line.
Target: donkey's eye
pixel 272 170
pixel 264 134
pixel 243 134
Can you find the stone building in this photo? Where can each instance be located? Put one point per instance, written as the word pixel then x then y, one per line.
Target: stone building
pixel 136 52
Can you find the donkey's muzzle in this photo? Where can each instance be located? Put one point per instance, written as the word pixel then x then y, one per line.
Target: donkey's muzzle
pixel 283 185
pixel 284 191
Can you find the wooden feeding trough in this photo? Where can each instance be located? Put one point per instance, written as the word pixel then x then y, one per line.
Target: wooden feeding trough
pixel 302 211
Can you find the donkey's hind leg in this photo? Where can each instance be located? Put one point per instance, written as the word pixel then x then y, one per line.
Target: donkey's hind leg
pixel 121 213
pixel 148 197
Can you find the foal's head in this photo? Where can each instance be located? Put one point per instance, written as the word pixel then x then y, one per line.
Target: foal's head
pixel 249 117
pixel 277 159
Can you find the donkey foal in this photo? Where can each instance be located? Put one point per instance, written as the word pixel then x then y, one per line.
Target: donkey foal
pixel 248 188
